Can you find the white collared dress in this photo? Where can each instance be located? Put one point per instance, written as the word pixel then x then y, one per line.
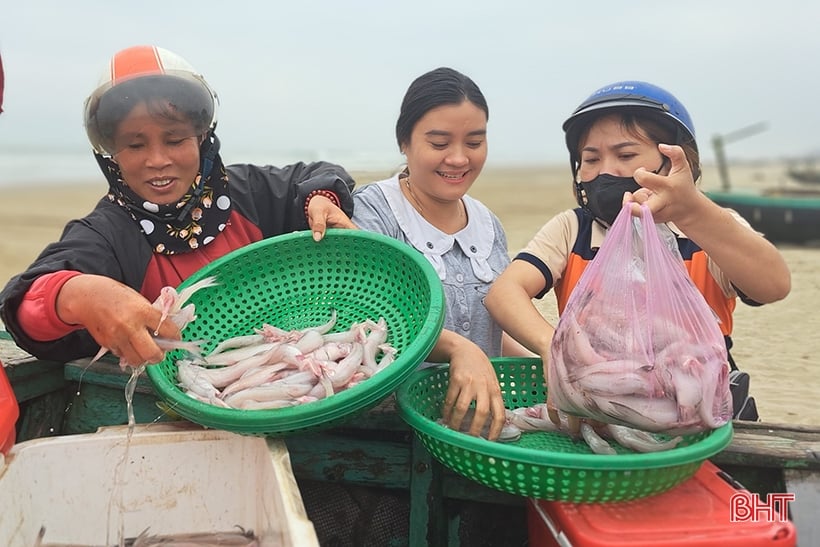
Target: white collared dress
pixel 467 262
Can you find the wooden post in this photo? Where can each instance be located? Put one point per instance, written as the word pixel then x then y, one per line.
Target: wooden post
pixel 720 159
pixel 719 142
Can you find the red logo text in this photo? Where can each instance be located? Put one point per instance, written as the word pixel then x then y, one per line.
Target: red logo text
pixel 748 507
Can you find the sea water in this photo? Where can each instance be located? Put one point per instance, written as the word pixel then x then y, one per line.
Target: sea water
pixel 27 166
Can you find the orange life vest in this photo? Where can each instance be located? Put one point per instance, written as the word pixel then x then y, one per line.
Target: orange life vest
pixel 694 258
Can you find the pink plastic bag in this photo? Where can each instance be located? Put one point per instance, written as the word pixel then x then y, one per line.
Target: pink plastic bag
pixel 637 344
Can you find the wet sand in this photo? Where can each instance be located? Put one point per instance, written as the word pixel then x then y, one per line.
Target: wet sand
pixel 777 344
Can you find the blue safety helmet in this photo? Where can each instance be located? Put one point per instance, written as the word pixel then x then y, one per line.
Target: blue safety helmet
pixel 640 97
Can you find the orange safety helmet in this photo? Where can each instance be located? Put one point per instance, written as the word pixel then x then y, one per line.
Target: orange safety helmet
pixel 145 74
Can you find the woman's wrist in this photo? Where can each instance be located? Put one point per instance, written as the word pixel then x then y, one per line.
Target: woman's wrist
pixel 329 194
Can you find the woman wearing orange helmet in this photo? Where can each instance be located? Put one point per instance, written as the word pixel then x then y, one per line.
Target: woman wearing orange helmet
pixel 635 142
pixel 171 208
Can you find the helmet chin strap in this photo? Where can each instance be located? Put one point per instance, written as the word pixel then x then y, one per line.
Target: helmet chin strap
pixel 580 196
pixel 210 147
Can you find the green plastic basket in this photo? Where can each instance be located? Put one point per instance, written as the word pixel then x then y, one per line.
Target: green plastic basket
pixel 544 465
pixel 293 282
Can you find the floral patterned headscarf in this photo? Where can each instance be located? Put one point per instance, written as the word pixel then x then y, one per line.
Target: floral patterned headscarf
pixel 194 220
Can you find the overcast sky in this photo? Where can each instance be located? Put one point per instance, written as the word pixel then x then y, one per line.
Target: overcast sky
pixel 327 77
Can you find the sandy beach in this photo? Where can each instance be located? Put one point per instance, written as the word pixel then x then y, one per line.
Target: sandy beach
pixel 777 344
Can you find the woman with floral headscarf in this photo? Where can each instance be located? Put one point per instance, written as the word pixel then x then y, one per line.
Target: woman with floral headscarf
pixel 171 208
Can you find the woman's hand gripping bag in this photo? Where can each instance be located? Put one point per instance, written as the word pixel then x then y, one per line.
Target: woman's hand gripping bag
pixel 637 344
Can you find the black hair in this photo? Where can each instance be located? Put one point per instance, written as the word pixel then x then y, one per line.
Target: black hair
pixel 439 87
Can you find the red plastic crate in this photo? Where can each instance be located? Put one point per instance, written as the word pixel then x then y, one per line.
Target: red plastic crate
pixel 693 514
pixel 9 412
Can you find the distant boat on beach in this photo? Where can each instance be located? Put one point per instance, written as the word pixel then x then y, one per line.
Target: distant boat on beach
pixel 783 215
pixel 808 175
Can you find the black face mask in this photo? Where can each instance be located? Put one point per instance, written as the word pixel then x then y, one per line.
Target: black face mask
pixel 603 196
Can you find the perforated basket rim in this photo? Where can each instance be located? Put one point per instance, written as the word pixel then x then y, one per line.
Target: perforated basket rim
pixel 714 442
pixel 325 411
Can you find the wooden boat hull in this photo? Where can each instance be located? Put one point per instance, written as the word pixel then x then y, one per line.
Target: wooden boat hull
pixel 791 217
pixel 378 450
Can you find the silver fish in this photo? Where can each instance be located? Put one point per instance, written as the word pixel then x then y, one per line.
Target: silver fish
pixel 509 432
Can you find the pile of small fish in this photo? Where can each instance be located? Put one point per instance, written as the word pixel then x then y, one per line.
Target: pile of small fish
pixel 276 368
pixel 659 380
pixel 536 418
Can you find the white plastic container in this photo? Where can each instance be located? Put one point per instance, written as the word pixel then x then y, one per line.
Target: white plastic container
pixel 176 479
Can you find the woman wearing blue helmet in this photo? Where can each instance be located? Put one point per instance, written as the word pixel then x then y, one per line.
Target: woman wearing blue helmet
pixel 635 142
pixel 663 119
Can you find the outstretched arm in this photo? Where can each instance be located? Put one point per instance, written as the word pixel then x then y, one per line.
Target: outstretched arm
pixel 751 262
pixel 509 302
pixel 116 316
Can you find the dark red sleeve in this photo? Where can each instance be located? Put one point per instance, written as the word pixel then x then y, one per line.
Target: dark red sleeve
pixel 37 313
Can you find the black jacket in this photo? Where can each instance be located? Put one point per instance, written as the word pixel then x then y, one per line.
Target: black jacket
pixel 108 242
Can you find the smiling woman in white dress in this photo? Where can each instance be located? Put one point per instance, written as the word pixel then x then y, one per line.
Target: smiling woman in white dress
pixel 442 132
